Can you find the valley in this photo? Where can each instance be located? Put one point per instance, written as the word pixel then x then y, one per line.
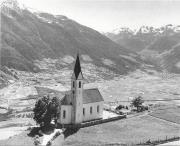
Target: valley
pixel 37 56
pixel 151 85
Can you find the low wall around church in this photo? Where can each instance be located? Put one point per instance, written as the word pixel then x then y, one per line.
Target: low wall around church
pixel 92 123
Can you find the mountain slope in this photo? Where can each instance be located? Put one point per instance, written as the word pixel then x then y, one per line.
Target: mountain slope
pixel 135 40
pixel 28 36
pixel 159 46
pixel 7 76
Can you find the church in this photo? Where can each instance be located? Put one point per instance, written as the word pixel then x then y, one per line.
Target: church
pixel 80 105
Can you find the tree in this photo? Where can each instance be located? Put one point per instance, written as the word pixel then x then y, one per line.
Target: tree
pixel 137 102
pixel 45 110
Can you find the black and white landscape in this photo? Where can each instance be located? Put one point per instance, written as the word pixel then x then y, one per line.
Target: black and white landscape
pixel 38 52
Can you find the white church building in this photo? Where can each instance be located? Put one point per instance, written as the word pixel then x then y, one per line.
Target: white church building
pixel 79 104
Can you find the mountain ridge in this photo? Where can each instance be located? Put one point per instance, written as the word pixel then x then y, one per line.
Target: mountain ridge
pixel 155 45
pixel 29 36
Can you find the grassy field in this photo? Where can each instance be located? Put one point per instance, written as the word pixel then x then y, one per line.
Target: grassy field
pixel 18 140
pixel 170 114
pixel 150 87
pixel 131 130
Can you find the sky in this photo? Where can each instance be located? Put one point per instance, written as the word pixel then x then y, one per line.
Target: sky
pixel 107 15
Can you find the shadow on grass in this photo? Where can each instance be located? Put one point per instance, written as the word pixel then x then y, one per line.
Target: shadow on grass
pixel 69 131
pixel 45 130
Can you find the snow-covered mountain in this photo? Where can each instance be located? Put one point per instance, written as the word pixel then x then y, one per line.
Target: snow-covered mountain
pixel 146 30
pixel 156 45
pixel 29 35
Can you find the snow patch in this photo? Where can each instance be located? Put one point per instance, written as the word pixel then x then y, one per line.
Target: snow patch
pixel 123 29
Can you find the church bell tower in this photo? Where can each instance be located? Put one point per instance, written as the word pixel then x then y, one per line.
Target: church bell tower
pixel 77 92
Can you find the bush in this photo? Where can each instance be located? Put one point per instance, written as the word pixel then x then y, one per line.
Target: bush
pixel 137 102
pixel 143 108
pixel 119 107
pixel 45 110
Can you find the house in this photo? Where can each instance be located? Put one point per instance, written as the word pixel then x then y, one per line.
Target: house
pixel 80 105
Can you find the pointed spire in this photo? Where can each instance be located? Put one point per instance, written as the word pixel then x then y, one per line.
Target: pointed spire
pixel 77 67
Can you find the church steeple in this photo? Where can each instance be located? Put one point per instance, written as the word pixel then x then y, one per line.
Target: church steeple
pixel 77 92
pixel 77 67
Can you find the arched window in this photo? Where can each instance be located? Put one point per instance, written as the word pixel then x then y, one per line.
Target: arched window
pixel 64 114
pixel 98 108
pixel 79 84
pixel 83 111
pixel 91 110
pixel 73 84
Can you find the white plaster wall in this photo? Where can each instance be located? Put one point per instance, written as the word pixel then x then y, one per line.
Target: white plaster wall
pixel 95 115
pixel 68 109
pixel 79 102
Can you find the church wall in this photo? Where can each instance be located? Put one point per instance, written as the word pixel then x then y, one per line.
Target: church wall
pixel 67 118
pixel 79 102
pixel 95 115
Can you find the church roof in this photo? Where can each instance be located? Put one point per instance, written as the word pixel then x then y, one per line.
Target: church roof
pixel 77 67
pixel 89 96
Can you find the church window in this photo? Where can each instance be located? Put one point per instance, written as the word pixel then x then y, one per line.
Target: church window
pixel 73 84
pixel 98 108
pixel 64 114
pixel 73 91
pixel 91 110
pixel 79 84
pixel 83 111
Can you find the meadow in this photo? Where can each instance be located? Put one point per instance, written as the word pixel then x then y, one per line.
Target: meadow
pixel 171 114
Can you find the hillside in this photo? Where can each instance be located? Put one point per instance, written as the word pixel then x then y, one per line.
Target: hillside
pixel 7 76
pixel 158 46
pixel 31 36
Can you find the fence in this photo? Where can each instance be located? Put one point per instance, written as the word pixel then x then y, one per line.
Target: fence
pixel 159 141
pixel 24 115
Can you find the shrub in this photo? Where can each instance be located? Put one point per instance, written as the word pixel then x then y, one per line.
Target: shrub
pixel 45 110
pixel 137 102
pixel 119 107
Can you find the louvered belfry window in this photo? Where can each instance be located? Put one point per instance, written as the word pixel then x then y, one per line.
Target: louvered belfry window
pixel 79 84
